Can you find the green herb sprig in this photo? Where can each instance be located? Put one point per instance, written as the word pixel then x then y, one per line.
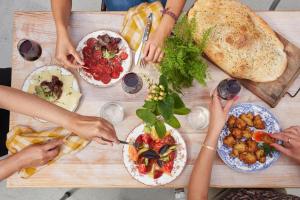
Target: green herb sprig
pixel 161 106
pixel 183 62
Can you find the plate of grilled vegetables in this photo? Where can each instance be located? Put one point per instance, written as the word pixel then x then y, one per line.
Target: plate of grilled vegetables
pixel 244 142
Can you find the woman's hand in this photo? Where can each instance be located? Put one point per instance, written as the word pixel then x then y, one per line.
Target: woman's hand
pixel 66 53
pixel 218 113
pixel 94 128
pixel 153 48
pixel 291 139
pixel 38 154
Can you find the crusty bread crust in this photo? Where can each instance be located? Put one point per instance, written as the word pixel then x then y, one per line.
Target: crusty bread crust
pixel 241 43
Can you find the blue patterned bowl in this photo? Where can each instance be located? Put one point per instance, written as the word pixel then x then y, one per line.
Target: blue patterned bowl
pixel 272 126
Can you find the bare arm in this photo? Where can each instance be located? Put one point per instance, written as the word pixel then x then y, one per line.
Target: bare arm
pixel 153 48
pixel 200 177
pixel 61 10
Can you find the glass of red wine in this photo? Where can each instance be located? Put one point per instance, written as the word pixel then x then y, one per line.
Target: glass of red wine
pixel 29 49
pixel 228 88
pixel 132 83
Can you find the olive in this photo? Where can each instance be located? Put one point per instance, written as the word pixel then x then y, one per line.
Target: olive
pixel 164 149
pixel 160 163
pixel 151 154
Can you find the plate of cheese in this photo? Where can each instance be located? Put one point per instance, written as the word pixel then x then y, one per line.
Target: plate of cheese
pixel 54 84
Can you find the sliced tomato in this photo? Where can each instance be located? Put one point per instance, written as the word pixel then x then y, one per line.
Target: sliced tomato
pixel 157 145
pixel 105 78
pixel 168 140
pixel 147 139
pixel 123 55
pixel 103 61
pixel 91 42
pixel 115 75
pixel 157 174
pixel 143 169
pixel 168 167
pixel 97 54
pixel 87 51
pixel 118 68
pixel 172 155
pixel 107 69
pixel 97 76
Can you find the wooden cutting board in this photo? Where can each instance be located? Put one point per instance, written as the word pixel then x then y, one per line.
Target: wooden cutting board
pixel 272 92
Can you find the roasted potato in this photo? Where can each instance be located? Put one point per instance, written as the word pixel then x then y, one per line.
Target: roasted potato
pixel 259 153
pixel 262 159
pixel 235 153
pixel 241 124
pixel 252 146
pixel 237 133
pixel 247 119
pixel 231 121
pixel 248 158
pixel 247 133
pixel 241 147
pixel 229 141
pixel 258 122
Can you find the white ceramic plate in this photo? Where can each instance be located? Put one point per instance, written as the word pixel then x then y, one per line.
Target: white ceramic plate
pixel 179 162
pixel 126 64
pixel 63 71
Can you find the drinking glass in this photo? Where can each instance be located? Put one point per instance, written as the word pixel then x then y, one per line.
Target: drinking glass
pixel 198 118
pixel 132 83
pixel 112 112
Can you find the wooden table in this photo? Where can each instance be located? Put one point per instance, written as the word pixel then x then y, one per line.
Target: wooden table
pixel 102 166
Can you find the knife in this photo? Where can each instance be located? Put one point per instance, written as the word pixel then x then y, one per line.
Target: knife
pixel 137 57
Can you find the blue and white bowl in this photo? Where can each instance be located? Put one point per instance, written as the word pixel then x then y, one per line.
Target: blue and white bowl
pixel 272 126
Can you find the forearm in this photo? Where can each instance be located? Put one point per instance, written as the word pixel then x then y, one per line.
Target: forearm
pixel 61 10
pixel 27 104
pixel 9 166
pixel 167 23
pixel 200 178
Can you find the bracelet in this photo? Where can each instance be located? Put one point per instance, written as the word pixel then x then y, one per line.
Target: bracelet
pixel 170 13
pixel 208 147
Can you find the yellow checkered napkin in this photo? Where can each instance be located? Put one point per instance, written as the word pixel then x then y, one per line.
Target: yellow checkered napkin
pixel 136 19
pixel 20 137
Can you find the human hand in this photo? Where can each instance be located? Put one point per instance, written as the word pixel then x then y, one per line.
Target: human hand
pixel 218 113
pixel 39 154
pixel 66 53
pixel 291 145
pixel 153 48
pixel 94 128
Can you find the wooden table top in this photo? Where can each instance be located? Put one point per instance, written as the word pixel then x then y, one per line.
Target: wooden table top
pixel 102 166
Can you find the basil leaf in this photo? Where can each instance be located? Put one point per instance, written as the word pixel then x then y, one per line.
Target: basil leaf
pixel 173 121
pixel 178 103
pixel 165 109
pixel 146 115
pixel 160 129
pixel 151 105
pixel 181 111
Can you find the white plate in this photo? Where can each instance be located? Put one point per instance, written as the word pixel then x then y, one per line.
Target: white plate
pixel 179 162
pixel 63 71
pixel 126 64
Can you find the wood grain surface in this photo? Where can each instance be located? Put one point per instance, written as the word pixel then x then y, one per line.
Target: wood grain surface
pixel 102 166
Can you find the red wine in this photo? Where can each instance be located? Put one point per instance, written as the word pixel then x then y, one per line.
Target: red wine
pixel 29 50
pixel 228 89
pixel 132 83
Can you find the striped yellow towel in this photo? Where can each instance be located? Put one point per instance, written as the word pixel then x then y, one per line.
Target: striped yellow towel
pixel 20 137
pixel 135 22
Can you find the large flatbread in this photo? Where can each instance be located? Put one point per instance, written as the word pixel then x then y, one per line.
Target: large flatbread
pixel 241 43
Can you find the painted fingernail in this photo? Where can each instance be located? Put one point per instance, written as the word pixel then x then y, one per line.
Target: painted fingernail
pixel 236 98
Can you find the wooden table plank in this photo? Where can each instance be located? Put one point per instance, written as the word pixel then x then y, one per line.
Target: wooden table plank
pixel 101 166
